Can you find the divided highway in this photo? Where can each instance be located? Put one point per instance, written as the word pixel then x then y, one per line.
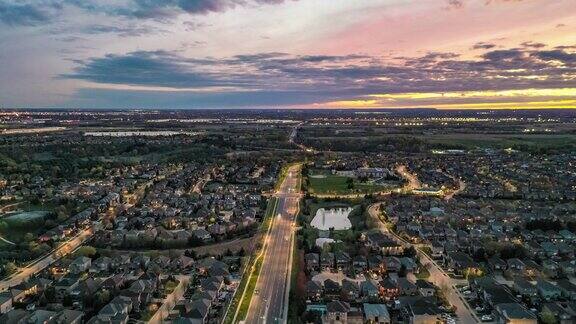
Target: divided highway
pixel 269 303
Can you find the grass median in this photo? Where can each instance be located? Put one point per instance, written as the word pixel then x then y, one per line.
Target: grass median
pixel 253 279
pixel 284 174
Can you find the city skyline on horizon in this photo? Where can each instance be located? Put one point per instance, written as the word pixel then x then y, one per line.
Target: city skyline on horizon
pixel 276 54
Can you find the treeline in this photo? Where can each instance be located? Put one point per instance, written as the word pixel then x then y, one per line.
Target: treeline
pixel 363 144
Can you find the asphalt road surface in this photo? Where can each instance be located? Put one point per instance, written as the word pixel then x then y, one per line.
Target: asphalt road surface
pixel 268 302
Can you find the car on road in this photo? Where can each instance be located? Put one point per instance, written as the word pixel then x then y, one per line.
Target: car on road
pixel 487 318
pixel 448 319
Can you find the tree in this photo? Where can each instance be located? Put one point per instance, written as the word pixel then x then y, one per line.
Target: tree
pixel 544 224
pixel 87 251
pixel 350 183
pixel 403 271
pixel 410 252
pixel 479 255
pixel 28 237
pixel 102 297
pixel 548 317
pixel 10 268
pixel 194 241
pixel 191 253
pixel 443 293
pixel 67 301
pixel 62 213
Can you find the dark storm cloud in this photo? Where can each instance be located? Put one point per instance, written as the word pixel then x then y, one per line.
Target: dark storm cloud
pixel 430 59
pixel 503 55
pixel 257 78
pixel 27 14
pixel 30 12
pixel 148 69
pixel 556 55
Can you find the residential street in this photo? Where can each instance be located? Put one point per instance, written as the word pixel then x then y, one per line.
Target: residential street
pixel 171 300
pixel 437 275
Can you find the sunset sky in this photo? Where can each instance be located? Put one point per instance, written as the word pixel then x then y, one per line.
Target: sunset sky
pixel 450 54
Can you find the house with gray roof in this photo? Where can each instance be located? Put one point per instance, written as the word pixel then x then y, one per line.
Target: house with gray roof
pixel 514 312
pixel 376 313
pixel 547 290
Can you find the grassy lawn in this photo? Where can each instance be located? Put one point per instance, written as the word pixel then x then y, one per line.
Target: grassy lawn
pixel 328 183
pixel 170 286
pixel 335 184
pixel 423 274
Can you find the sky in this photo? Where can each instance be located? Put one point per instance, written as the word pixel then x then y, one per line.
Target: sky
pixel 180 54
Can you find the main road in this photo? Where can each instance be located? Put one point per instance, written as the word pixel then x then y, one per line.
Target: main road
pixel 270 300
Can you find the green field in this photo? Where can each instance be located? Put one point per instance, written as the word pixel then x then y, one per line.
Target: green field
pixel 340 185
pixel 328 184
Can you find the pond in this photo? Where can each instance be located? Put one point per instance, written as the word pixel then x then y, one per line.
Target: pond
pixel 336 218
